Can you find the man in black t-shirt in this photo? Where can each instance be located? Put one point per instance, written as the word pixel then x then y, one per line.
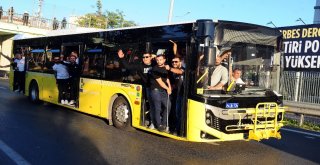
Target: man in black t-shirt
pixel 160 91
pixel 144 71
pixel 177 73
pixel 74 72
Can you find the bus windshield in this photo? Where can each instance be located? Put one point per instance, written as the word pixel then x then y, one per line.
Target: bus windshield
pixel 248 67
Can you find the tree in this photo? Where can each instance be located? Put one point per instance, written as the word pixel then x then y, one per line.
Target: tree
pixel 99 7
pixel 104 20
pixel 116 20
pixel 92 20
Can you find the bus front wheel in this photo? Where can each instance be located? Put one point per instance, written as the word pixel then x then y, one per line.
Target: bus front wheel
pixel 121 113
pixel 34 92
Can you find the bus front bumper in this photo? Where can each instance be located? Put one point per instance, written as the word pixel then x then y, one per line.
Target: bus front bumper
pixel 262 122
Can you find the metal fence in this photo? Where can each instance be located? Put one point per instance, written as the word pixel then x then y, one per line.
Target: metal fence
pixel 37 22
pixel 303 87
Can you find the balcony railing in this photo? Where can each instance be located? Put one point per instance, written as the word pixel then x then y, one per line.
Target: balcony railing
pixel 37 22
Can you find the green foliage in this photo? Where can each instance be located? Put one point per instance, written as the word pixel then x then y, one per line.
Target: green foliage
pixel 306 125
pixel 92 20
pixel 116 20
pixel 108 19
pixel 99 7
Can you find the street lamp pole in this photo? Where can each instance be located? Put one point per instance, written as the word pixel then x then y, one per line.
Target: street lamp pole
pixel 170 11
pixel 299 19
pixel 272 24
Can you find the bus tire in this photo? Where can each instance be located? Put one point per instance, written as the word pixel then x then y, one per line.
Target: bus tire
pixel 121 113
pixel 34 92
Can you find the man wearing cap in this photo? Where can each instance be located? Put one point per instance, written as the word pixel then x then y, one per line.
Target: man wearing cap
pixel 219 76
pixel 160 91
pixel 74 72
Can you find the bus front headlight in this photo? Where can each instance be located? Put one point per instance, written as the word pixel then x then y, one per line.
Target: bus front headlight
pixel 209 117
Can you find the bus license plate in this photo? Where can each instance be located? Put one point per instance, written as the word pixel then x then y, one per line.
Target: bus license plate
pixel 232 105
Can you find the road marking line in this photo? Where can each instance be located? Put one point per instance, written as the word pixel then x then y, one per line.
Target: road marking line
pixel 301 132
pixel 13 155
pixel 214 143
pixel 309 137
pixel 3 88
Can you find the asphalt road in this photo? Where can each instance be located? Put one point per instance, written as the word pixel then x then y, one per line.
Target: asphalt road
pixel 45 134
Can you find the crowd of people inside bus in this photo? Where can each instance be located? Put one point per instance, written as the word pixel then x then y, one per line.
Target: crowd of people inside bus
pixel 67 71
pixel 163 84
pixel 163 87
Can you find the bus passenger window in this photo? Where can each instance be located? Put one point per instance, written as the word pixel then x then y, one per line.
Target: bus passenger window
pixel 112 67
pixel 48 59
pixel 86 65
pixel 36 60
pixel 93 63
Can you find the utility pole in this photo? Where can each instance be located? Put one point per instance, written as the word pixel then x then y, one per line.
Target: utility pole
pixel 39 12
pixel 316 18
pixel 170 11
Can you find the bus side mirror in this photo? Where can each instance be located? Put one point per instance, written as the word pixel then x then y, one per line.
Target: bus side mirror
pixel 205 31
pixel 205 28
pixel 210 55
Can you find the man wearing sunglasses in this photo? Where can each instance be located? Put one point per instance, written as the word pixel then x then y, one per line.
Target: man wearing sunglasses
pixel 144 71
pixel 177 71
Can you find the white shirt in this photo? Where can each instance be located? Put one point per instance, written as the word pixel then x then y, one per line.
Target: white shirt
pixel 62 71
pixel 239 81
pixel 20 64
pixel 220 74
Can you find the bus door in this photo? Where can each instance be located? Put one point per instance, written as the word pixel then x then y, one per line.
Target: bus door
pixel 90 81
pixel 66 49
pixel 13 68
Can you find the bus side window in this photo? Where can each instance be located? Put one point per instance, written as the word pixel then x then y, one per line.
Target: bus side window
pixel 30 63
pixel 86 61
pixel 48 63
pixel 133 57
pixel 98 65
pixel 48 66
pixel 112 67
pixel 36 61
pixel 93 65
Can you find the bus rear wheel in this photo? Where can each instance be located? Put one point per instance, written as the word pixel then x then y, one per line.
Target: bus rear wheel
pixel 121 113
pixel 34 92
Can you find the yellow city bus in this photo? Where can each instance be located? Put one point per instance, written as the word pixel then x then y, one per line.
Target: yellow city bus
pixel 252 110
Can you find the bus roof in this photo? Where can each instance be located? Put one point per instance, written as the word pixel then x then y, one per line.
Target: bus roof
pixel 81 30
